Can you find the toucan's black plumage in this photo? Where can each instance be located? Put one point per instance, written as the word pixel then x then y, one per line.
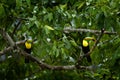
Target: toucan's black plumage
pixel 86 50
pixel 29 52
pixel 85 47
pixel 28 46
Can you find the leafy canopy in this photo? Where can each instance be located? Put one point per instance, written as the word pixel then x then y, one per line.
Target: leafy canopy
pixel 45 20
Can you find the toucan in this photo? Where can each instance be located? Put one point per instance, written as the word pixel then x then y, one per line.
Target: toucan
pixel 86 48
pixel 28 47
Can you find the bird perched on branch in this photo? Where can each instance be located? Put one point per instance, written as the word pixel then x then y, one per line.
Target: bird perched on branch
pixel 86 48
pixel 28 47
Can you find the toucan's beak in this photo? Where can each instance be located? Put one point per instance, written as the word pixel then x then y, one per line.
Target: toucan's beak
pixel 90 38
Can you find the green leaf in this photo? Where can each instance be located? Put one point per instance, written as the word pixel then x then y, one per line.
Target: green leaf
pixel 2 11
pixel 49 27
pixel 37 23
pixel 50 16
pixel 57 52
pixel 63 6
pixel 81 5
pixel 28 2
pixel 73 43
pixel 62 50
pixel 18 3
pixel 96 75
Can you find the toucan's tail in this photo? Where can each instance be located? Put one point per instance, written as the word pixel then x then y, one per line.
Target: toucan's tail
pixel 27 60
pixel 88 58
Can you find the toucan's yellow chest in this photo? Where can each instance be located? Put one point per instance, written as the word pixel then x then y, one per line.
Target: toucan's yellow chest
pixel 85 43
pixel 28 45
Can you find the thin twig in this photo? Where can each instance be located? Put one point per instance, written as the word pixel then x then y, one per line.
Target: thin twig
pixel 67 30
pixel 108 41
pixel 97 41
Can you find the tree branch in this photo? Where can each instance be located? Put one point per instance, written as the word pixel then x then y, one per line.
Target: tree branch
pixel 4 51
pixel 34 59
pixel 50 67
pixel 7 37
pixel 67 30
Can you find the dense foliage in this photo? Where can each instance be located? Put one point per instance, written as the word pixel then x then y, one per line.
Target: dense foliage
pixel 45 21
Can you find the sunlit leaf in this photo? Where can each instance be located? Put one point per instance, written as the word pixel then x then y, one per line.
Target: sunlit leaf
pixel 81 5
pixel 49 27
pixel 63 6
pixel 73 43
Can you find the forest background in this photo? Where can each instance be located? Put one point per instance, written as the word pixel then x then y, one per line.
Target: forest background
pixel 57 28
